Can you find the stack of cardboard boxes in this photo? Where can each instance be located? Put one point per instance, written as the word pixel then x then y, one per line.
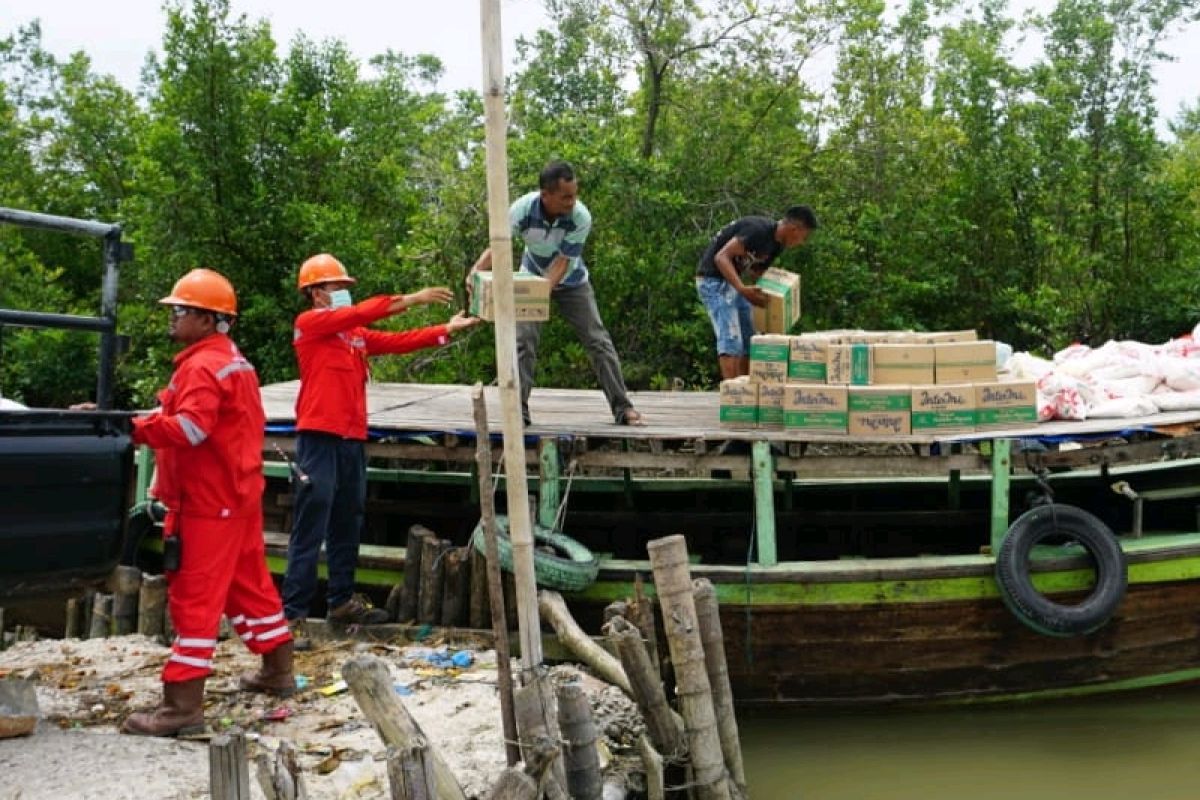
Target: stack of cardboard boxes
pixel 876 384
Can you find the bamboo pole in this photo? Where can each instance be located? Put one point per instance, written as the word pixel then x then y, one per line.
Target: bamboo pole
pixel 496 602
pixel 455 587
pixel 641 614
pixel 371 684
pixel 228 771
pixel 663 726
pixel 71 631
pixel 480 610
pixel 554 609
pixel 412 573
pixel 537 719
pixel 500 241
pixel 126 584
pixel 152 605
pixel 709 620
pixel 653 762
pixel 101 626
pixel 429 603
pixel 669 559
pixel 582 761
pixel 409 771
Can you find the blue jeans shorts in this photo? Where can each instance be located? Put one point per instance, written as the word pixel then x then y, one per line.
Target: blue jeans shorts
pixel 730 314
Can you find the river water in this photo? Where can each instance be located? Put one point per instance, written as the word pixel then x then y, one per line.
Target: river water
pixel 1143 746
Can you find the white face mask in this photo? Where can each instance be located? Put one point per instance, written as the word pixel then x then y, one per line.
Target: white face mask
pixel 339 298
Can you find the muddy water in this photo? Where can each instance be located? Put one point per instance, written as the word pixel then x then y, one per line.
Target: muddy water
pixel 1143 746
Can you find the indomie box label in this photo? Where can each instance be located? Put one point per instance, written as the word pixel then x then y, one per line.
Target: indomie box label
pixel 770 405
pixel 769 358
pixel 1006 404
pixel 739 403
pixel 808 359
pixel 849 364
pixel 943 409
pixel 880 410
pixel 815 408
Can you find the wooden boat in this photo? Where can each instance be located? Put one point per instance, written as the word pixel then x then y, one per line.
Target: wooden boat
pixel 849 572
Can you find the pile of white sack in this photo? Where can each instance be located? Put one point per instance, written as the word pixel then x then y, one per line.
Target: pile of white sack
pixel 1119 379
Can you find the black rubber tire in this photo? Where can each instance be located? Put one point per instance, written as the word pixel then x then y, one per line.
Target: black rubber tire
pixel 572 571
pixel 1036 610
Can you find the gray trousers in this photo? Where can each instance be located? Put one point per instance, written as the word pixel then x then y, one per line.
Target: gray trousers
pixel 577 305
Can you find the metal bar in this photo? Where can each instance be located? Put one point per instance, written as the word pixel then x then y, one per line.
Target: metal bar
pixel 113 253
pixel 50 222
pixel 549 488
pixel 144 467
pixel 1001 462
pixel 45 319
pixel 763 468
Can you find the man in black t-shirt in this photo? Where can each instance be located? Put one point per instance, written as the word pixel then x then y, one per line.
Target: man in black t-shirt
pixel 747 245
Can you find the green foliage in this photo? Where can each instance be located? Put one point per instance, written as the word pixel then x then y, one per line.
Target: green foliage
pixel 956 187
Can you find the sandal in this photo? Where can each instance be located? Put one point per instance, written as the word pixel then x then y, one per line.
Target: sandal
pixel 631 416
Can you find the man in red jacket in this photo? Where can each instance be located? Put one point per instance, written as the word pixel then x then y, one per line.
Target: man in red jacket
pixel 332 344
pixel 208 439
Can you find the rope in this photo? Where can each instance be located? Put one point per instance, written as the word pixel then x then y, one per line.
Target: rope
pixel 562 506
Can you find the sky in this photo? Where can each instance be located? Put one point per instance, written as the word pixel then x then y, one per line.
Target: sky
pixel 118 35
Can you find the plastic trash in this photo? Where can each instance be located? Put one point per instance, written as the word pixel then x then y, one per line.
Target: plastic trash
pixel 402 689
pixel 463 658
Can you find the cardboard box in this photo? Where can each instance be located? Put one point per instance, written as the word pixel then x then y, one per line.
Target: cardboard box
pixel 769 358
pixel 783 301
pixel 902 363
pixel 531 297
pixel 849 364
pixel 880 411
pixel 1006 404
pixel 739 403
pixel 814 408
pixel 770 406
pixel 942 337
pixel 943 408
pixel 808 358
pixel 959 362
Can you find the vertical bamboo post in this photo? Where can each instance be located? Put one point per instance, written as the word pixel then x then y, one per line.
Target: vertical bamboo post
pixel 666 734
pixel 1001 463
pixel 454 586
pixel 669 559
pixel 500 241
pixel 412 573
pixel 549 489
pixel 410 772
pixel 126 583
pixel 228 770
pixel 713 638
pixel 152 605
pixel 537 719
pixel 496 601
pixel 429 602
pixel 101 617
pixel 480 612
pixel 641 614
pixel 71 629
pixel 582 761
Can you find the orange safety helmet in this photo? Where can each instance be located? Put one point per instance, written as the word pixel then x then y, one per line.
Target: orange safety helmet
pixel 206 289
pixel 322 268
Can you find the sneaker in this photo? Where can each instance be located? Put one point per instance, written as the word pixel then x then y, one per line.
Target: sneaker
pixel 301 640
pixel 357 611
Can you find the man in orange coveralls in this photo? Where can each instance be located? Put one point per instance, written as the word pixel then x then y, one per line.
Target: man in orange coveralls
pixel 208 440
pixel 332 345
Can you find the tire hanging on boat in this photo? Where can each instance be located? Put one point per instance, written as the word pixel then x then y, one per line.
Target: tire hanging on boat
pixel 1032 607
pixel 571 567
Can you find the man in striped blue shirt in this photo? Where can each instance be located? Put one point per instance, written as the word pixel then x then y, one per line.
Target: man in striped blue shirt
pixel 554 224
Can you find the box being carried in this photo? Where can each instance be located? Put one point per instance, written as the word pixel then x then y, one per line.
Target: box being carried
pixel 739 403
pixel 880 410
pixel 783 301
pixel 814 408
pixel 531 297
pixel 1006 404
pixel 943 409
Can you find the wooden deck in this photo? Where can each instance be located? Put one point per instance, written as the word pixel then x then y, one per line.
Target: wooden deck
pixel 446 408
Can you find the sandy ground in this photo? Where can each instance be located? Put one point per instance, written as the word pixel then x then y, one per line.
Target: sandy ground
pixel 85 689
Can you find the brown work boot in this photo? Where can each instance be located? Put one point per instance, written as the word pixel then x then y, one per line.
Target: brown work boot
pixel 275 677
pixel 181 712
pixel 357 611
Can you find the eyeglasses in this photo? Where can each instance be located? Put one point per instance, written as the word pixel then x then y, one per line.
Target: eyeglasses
pixel 182 311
